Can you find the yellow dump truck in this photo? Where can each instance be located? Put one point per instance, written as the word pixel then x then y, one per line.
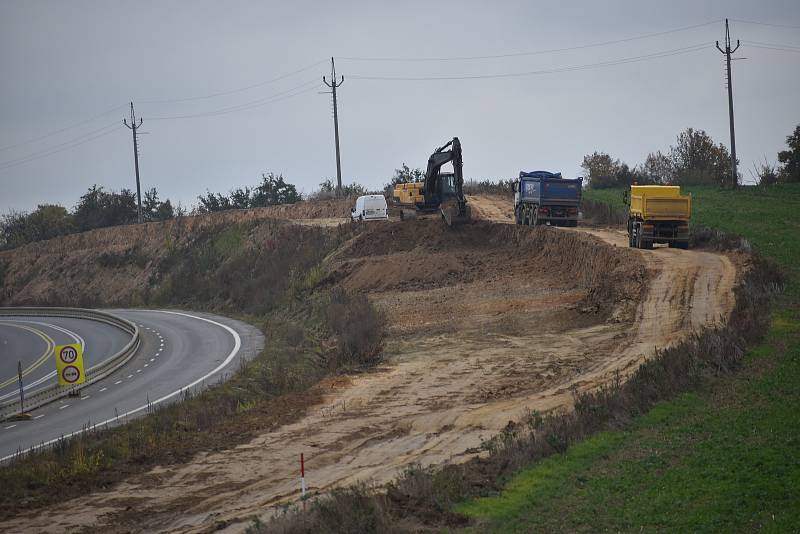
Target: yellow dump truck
pixel 658 214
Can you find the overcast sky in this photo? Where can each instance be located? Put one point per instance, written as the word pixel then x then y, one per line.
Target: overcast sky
pixel 75 66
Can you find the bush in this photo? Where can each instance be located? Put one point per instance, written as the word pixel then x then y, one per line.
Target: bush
pixel 603 213
pixel 357 326
pixel 500 187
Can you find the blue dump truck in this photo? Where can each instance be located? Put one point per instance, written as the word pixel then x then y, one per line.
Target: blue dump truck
pixel 541 197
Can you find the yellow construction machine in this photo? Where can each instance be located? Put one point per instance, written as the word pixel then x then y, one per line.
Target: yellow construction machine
pixel 440 192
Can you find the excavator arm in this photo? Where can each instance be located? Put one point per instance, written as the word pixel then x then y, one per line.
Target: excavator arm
pixel 445 190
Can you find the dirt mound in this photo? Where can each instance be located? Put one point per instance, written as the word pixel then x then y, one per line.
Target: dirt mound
pixel 426 254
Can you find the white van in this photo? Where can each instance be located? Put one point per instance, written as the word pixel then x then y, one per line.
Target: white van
pixel 370 207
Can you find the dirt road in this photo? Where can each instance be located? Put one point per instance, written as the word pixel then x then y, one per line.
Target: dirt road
pixel 480 333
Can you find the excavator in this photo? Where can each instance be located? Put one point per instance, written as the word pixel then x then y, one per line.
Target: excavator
pixel 441 191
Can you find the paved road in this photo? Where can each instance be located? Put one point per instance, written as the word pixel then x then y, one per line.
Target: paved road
pixel 178 350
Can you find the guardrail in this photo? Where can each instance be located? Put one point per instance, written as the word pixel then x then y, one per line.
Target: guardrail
pixel 46 394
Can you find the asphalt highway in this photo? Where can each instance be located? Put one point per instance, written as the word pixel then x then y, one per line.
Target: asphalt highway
pixel 178 350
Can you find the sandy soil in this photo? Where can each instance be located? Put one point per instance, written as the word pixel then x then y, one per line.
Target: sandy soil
pixel 480 332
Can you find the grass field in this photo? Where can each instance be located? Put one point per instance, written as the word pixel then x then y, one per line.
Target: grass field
pixel 724 459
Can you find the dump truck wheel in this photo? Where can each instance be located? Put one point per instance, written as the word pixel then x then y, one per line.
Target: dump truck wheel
pixel 535 217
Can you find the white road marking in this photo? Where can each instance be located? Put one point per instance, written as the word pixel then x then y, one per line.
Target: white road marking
pixel 138 370
pixel 153 358
pixel 9 427
pixel 39 416
pixel 64 406
pixel 146 364
pixel 237 345
pixel 102 390
pixel 130 376
pixel 85 397
pixel 118 382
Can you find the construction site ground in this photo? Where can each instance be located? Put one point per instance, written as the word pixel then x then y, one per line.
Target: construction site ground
pixel 486 322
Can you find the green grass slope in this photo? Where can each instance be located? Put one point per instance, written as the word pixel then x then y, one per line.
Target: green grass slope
pixel 724 459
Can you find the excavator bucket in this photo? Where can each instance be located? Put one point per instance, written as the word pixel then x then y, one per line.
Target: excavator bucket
pixel 452 216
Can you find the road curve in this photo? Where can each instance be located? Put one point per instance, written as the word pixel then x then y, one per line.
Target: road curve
pixel 178 351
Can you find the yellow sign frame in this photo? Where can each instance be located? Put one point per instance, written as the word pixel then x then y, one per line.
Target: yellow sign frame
pixel 69 364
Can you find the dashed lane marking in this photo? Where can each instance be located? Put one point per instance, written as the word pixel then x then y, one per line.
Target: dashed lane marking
pixel 9 427
pixel 39 416
pixel 102 390
pixel 64 406
pixel 118 382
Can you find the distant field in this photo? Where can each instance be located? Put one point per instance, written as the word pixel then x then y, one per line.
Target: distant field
pixel 769 217
pixel 724 459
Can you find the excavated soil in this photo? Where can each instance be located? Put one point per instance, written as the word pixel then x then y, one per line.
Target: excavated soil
pixel 486 322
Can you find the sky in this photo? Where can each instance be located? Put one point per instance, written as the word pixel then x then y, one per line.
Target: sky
pixel 230 90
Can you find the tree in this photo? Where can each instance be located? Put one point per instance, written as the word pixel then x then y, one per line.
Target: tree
pixel 213 202
pixel 165 211
pixel 790 159
pixel 150 204
pixel 240 198
pixel 121 208
pixel 765 173
pixel 656 169
pixel 696 160
pixel 405 175
pixel 274 190
pixel 601 170
pixel 46 222
pixel 90 212
pixel 155 210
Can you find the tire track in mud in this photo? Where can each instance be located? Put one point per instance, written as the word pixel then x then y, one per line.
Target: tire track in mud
pixel 437 400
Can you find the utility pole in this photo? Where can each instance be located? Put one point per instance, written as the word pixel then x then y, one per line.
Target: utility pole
pixel 333 85
pixel 727 52
pixel 133 127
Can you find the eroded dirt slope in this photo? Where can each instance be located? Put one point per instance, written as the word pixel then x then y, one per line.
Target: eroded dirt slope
pixel 485 323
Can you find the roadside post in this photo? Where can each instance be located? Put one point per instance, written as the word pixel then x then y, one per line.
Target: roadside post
pixel 21 390
pixel 303 480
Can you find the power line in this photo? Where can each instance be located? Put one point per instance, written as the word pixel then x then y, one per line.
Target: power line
pixel 770 46
pixel 620 61
pixel 53 150
pixel 64 129
pixel 535 52
pixel 288 93
pixel 233 91
pixel 789 26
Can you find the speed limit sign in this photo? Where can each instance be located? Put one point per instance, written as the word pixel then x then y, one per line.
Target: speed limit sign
pixel 69 364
